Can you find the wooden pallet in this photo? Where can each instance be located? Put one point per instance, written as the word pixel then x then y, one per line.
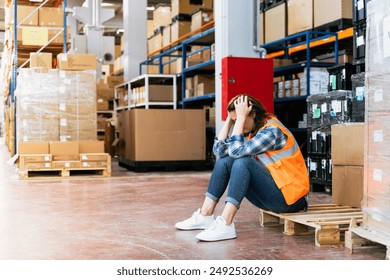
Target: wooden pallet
pixel 358 237
pixel 63 173
pixel 328 222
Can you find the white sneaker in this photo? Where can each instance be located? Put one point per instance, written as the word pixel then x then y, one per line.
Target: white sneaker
pixel 219 230
pixel 197 221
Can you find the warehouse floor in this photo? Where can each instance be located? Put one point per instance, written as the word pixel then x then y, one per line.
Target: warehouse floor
pixel 131 216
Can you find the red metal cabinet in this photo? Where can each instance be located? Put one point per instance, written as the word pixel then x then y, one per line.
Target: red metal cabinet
pixel 253 76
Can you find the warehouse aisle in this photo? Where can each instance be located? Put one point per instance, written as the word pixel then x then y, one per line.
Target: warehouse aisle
pixel 131 216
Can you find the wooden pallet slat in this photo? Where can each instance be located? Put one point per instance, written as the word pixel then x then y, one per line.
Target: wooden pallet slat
pixel 359 238
pixel 327 222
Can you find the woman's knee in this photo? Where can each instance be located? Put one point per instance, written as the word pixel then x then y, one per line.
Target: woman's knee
pixel 242 162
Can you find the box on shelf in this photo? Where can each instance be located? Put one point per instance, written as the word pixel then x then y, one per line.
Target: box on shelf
pixel 162 15
pixel 180 28
pixel 23 11
pixel 77 61
pixel 332 10
pixel 188 6
pixel 300 16
pixel 41 60
pixel 275 22
pixel 201 17
pixel 50 16
pixel 160 93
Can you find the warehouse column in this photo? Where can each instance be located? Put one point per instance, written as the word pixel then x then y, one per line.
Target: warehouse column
pixel 134 49
pixel 235 35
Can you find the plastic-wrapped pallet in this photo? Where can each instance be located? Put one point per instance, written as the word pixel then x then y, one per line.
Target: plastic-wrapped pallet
pixel 376 195
pixel 37 105
pixel 56 105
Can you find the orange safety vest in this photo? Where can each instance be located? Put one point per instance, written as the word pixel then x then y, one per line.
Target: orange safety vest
pixel 287 166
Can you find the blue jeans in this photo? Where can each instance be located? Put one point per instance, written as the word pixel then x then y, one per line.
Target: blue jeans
pixel 248 178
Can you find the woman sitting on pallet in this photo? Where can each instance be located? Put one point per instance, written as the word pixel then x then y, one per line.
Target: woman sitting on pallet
pixel 260 160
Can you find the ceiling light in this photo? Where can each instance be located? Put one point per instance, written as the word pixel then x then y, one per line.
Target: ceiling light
pixel 152 8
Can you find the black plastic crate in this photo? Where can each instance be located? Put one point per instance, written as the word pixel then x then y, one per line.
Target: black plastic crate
pixel 358 97
pixel 359 12
pixel 319 142
pixel 359 42
pixel 340 77
pixel 331 108
pixel 268 4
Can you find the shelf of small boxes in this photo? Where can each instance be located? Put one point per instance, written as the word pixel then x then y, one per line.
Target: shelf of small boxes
pixel 62 159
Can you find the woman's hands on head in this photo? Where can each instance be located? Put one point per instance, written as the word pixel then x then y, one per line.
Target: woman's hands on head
pixel 242 107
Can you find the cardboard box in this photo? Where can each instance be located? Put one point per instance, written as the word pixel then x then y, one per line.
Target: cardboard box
pixel 41 60
pixel 91 147
pixel 179 28
pixel 162 134
pixel 160 93
pixel 275 23
pixel 347 144
pixel 201 17
pixel 347 185
pixel 162 15
pixel 26 148
pixel 166 36
pixel 205 88
pixel 185 6
pixel 331 10
pixel 23 12
pixel 49 16
pixel 300 16
pixel 64 150
pixel 113 81
pixel 76 61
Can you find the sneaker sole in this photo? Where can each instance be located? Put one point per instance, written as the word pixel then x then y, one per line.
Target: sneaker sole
pixel 216 239
pixel 191 228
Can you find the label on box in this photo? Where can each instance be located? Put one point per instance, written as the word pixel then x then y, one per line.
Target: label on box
pixel 85 164
pixel 62 74
pixel 47 158
pixel 62 106
pixel 84 157
pixel 313 166
pixel 67 164
pixel 324 108
pixel 314 135
pixel 47 165
pixel 360 93
pixel 316 113
pixel 63 122
pixel 336 106
pixel 378 135
pixel 360 4
pixel 359 41
pixel 377 176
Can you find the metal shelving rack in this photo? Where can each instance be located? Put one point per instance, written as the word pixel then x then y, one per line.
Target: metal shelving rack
pixel 203 39
pixel 15 66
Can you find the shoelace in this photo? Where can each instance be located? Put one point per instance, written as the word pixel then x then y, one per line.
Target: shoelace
pixel 214 225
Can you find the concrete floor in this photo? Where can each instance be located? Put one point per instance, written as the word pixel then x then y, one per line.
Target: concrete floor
pixel 131 216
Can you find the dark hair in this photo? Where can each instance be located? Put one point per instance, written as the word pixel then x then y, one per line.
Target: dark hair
pixel 261 114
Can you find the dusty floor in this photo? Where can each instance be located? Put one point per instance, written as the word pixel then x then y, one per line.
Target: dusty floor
pixel 131 216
